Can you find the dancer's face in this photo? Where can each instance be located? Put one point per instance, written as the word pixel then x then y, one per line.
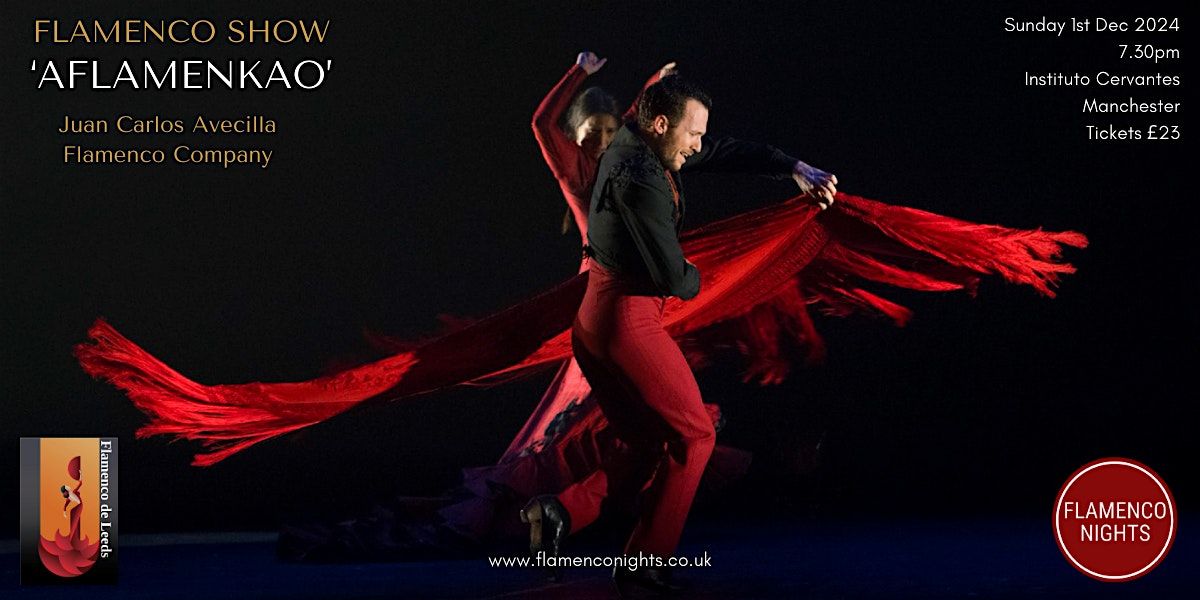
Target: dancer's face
pixel 595 133
pixel 674 144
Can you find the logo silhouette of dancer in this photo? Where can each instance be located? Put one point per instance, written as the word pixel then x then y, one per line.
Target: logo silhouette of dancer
pixel 70 555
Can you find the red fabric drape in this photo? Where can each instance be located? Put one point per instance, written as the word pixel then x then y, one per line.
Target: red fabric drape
pixel 760 269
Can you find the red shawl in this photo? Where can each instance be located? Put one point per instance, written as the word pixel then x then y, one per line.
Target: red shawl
pixel 761 270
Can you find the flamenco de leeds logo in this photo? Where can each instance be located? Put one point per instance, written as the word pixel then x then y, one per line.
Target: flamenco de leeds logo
pixel 68 510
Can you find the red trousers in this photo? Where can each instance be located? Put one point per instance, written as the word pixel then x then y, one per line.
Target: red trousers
pixel 646 390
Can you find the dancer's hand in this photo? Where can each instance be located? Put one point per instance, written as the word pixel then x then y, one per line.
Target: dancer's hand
pixel 667 69
pixel 818 184
pixel 590 62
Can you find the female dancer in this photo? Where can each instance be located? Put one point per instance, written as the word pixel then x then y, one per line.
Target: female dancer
pixel 70 555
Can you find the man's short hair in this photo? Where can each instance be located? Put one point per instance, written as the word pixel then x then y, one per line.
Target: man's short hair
pixel 669 97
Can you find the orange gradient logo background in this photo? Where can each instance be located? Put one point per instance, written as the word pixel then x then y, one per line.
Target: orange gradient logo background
pixel 55 510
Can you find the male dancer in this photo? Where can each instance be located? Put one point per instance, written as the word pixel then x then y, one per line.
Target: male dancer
pixel 641 380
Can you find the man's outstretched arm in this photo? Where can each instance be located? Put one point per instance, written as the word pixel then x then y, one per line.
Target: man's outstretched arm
pixel 730 155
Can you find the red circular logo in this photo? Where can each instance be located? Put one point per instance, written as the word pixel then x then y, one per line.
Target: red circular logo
pixel 1115 519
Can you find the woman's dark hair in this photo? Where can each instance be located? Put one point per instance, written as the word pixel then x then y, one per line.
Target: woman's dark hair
pixel 669 97
pixel 589 102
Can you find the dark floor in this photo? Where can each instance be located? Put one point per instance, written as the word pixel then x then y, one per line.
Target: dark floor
pixel 998 558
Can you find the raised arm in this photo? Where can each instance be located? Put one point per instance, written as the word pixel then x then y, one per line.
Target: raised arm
pixel 647 214
pixel 631 112
pixel 556 147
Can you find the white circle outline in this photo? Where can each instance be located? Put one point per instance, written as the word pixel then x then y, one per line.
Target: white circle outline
pixel 1058 529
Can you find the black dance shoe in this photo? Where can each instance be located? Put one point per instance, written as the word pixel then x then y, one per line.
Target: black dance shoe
pixel 549 525
pixel 656 580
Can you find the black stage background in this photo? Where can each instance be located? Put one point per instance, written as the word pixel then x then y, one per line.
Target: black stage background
pixel 410 184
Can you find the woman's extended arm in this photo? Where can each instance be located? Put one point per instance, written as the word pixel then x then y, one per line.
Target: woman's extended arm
pixel 557 148
pixel 631 112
